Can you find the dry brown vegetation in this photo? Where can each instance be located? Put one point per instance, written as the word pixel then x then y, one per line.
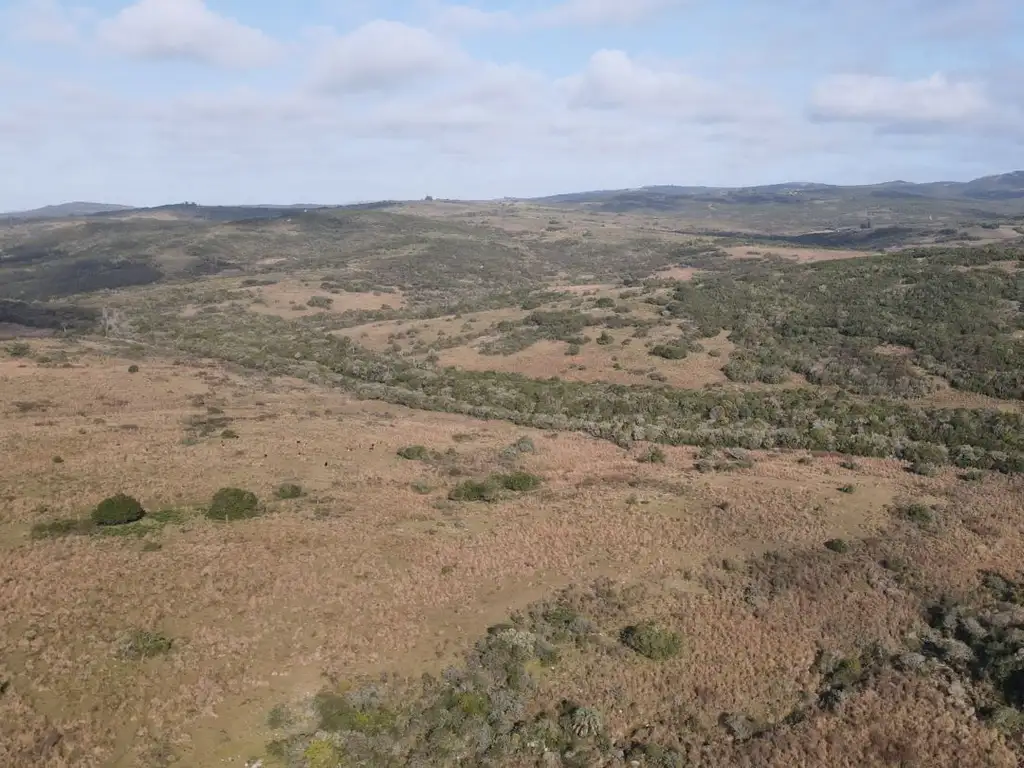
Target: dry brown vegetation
pixel 365 574
pixel 786 587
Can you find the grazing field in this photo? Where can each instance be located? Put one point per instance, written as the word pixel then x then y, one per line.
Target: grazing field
pixel 511 483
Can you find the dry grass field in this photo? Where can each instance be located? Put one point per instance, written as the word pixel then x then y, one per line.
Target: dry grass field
pixel 372 570
pixel 534 485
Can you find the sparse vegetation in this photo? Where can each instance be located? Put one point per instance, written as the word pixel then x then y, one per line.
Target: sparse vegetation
pixel 414 453
pixel 139 644
pixel 653 455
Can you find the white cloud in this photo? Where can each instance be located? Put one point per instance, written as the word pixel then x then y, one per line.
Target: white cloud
pixel 382 55
pixel 612 80
pixel 42 21
pixel 596 12
pixel 186 30
pixel 888 100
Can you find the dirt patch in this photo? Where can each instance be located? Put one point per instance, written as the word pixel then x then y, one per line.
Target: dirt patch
pixel 379 336
pixel 593 289
pixel 290 298
pixel 893 350
pixel 799 255
pixel 613 363
pixel 678 273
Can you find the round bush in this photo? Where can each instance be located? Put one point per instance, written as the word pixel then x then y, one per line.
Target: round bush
pixel 651 641
pixel 289 491
pixel 118 510
pixel 233 504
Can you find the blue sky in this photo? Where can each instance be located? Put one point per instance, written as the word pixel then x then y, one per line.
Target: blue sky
pixel 327 101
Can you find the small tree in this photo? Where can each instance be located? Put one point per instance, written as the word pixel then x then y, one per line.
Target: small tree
pixel 233 504
pixel 118 510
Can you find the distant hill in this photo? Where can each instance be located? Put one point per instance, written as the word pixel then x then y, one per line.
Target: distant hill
pixel 971 197
pixel 65 210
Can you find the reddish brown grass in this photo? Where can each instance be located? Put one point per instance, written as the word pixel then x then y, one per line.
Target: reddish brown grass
pixel 364 575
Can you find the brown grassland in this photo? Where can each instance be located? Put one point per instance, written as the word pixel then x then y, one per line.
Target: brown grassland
pixel 364 575
pixel 427 580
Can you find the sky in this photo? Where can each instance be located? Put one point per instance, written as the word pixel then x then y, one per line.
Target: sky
pixel 335 101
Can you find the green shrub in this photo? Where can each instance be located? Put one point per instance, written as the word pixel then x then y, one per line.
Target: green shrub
pixel 229 434
pixel 605 338
pixel 414 453
pixel 279 717
pixel 839 546
pixel 476 490
pixel 572 350
pixel 847 488
pixel 923 468
pixel 133 369
pixel 669 351
pixel 233 504
pixel 288 491
pixel 118 510
pixel 320 302
pixel 920 514
pixel 138 644
pixel 338 713
pixel 524 445
pixel 651 641
pixel 19 349
pixel 518 482
pixel 653 455
pixel 604 303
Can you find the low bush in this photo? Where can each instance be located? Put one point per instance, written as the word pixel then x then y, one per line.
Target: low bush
pixel 518 482
pixel 138 644
pixel 233 504
pixel 288 491
pixel 839 546
pixel 476 490
pixel 653 455
pixel 118 510
pixel 920 514
pixel 649 640
pixel 669 351
pixel 490 489
pixel 19 349
pixel 320 302
pixel 414 453
pixel 923 468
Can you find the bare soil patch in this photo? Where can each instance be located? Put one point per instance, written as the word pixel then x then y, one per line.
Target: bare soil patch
pixel 289 299
pixel 678 273
pixel 799 255
pixel 612 363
